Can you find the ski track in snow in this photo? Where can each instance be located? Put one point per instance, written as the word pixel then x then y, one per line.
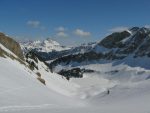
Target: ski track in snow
pixel 11 90
pixel 22 108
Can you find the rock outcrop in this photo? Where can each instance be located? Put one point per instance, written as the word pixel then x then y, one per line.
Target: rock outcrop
pixel 11 44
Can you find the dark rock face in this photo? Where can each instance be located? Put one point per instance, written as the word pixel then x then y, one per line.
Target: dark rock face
pixel 85 57
pixel 32 59
pixel 11 44
pixel 31 55
pixel 136 43
pixel 75 72
pixel 114 40
pixel 144 48
pixel 134 29
pixel 43 56
pixel 32 63
pixel 77 58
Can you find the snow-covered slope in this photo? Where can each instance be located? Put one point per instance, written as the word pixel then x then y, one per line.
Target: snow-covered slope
pixel 20 88
pixel 21 92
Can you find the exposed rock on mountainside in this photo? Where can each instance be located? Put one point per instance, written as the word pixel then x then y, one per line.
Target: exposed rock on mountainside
pixel 134 42
pixel 114 40
pixel 75 72
pixel 11 44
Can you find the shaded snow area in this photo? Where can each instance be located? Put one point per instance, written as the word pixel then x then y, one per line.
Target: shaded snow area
pixel 109 89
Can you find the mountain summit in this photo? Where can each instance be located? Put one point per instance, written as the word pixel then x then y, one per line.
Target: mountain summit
pixel 135 41
pixel 47 45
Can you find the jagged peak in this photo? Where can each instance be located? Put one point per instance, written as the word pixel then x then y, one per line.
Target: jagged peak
pixel 50 41
pixel 134 29
pixel 46 45
pixel 140 29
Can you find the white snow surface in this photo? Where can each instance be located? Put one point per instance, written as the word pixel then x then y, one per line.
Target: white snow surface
pixel 21 92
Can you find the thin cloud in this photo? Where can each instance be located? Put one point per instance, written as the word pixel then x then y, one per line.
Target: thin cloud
pixel 118 29
pixel 35 24
pixel 61 29
pixel 81 33
pixel 61 34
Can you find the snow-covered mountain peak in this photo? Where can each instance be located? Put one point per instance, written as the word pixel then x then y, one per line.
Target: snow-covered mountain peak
pixel 50 42
pixel 36 42
pixel 47 45
pixel 138 29
pixel 134 29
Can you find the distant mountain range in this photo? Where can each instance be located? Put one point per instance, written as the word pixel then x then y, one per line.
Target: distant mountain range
pixel 47 45
pixel 49 49
pixel 133 43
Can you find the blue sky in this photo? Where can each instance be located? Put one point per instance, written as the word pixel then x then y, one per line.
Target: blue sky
pixel 70 21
